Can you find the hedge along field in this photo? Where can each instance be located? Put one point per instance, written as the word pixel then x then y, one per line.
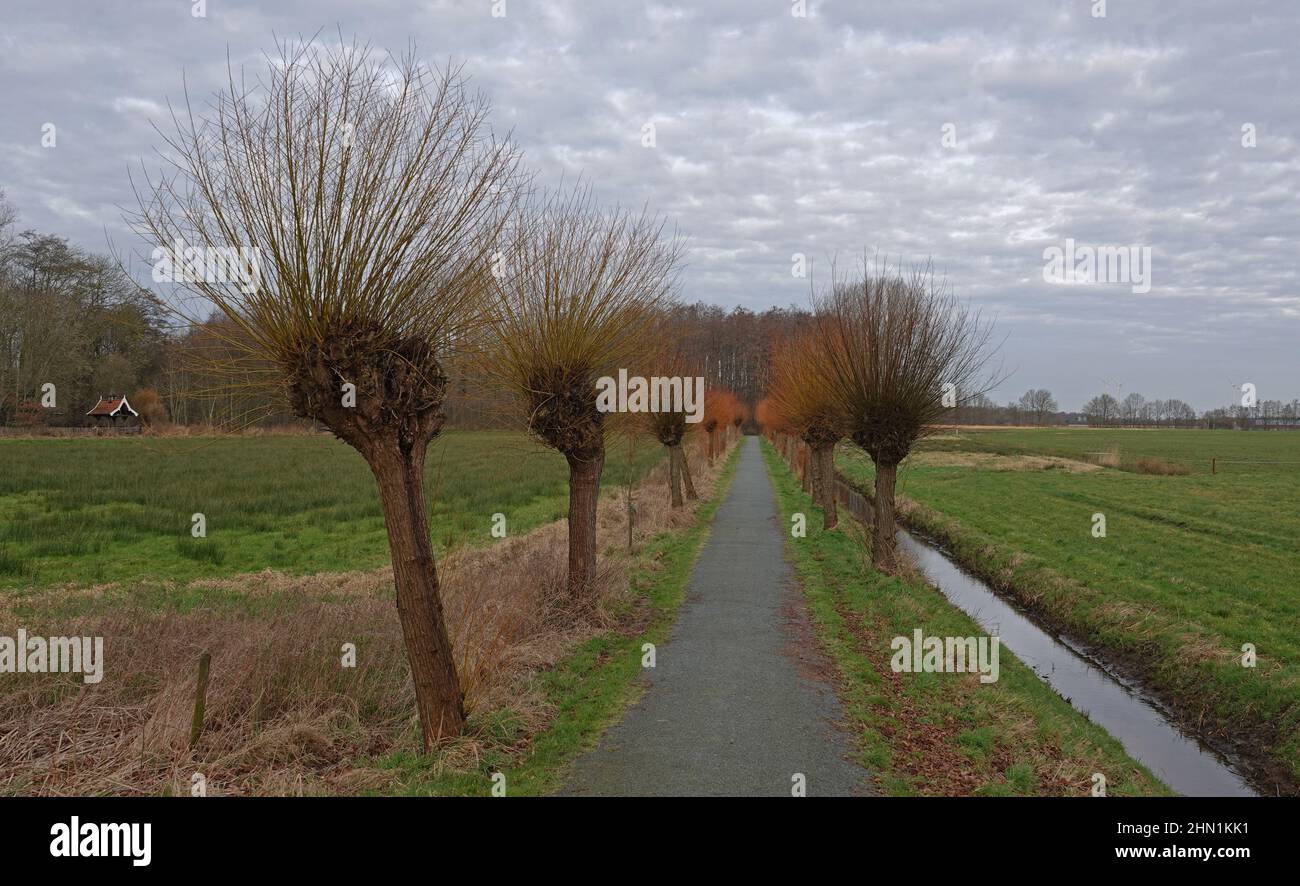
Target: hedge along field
pixel 1191 568
pixel 114 509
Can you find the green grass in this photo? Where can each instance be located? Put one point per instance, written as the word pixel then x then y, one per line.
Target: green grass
pixel 119 509
pixel 938 733
pixel 590 690
pixel 1190 448
pixel 1191 567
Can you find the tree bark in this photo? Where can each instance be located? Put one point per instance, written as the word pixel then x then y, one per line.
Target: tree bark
pixel 825 458
pixel 805 480
pixel 686 473
pixel 674 476
pixel 815 474
pixel 883 529
pixel 428 649
pixel 584 494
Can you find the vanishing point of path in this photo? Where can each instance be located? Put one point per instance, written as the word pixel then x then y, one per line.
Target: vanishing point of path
pixel 737 704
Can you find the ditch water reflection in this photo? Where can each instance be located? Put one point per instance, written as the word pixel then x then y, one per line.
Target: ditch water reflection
pixel 1132 716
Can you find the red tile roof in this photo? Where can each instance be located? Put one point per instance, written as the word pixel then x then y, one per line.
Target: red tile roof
pixel 111 406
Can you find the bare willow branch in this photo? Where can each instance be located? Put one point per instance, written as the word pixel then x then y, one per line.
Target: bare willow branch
pixel 577 293
pixel 354 202
pixel 895 343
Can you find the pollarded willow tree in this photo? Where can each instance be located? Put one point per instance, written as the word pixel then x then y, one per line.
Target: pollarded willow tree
pixel 780 432
pixel 766 416
pixel 578 293
pixel 668 423
pixel 370 192
pixel 800 393
pixel 720 408
pixel 895 344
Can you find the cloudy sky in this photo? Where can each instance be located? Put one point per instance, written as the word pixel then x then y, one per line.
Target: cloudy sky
pixel 976 133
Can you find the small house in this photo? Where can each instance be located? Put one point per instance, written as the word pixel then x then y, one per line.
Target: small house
pixel 110 410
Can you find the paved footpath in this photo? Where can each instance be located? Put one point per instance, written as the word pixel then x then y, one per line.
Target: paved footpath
pixel 737 704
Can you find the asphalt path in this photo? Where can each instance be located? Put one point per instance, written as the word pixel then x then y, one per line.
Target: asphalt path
pixel 739 702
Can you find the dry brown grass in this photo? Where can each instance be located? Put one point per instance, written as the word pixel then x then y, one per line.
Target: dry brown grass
pixel 1111 458
pixel 1107 459
pixel 991 462
pixel 1160 468
pixel 283 715
pixel 297 428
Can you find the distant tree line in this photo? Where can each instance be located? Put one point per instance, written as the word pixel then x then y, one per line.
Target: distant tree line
pixel 1135 411
pixel 1039 407
pixel 71 320
pixel 74 319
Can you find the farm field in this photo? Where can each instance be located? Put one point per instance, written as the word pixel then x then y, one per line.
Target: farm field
pixel 105 510
pixel 1191 567
pixel 1191 449
pixel 541 677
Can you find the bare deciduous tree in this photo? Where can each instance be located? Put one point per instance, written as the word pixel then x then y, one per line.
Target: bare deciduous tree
pixel 1131 408
pixel 577 296
pixel 720 408
pixel 668 423
pixel 1102 409
pixel 1039 403
pixel 801 395
pixel 894 341
pixel 371 192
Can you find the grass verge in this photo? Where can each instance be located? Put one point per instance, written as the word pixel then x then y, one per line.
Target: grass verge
pixel 590 690
pixel 937 733
pixel 1190 569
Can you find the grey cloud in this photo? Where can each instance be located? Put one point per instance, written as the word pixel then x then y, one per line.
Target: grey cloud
pixel 822 136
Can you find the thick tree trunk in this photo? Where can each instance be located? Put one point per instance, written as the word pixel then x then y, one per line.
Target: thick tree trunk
pixel 686 473
pixel 883 529
pixel 710 433
pixel 675 476
pixel 398 410
pixel 584 494
pixel 805 478
pixel 419 608
pixel 815 474
pixel 824 458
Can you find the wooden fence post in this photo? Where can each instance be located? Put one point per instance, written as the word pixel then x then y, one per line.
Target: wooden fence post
pixel 631 511
pixel 200 698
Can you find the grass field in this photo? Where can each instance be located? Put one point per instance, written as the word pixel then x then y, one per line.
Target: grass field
pixel 935 733
pixel 102 510
pixel 1238 453
pixel 1191 567
pixel 542 673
